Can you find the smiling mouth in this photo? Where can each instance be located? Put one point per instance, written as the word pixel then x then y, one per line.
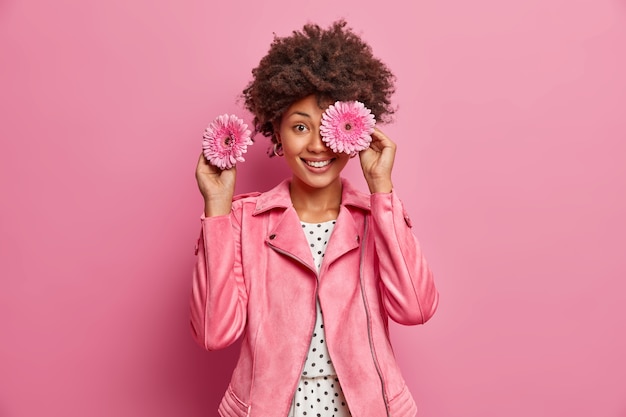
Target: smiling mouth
pixel 318 164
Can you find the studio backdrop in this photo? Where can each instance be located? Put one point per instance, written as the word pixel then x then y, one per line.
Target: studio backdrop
pixel 511 162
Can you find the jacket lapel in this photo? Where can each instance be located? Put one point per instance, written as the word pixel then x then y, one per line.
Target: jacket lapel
pixel 345 237
pixel 287 238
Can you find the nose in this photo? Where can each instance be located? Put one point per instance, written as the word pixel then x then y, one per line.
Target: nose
pixel 316 144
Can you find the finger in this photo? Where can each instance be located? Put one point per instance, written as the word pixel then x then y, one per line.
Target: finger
pixel 204 167
pixel 203 164
pixel 202 160
pixel 382 138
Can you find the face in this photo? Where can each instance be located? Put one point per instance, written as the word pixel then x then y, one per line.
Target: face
pixel 312 163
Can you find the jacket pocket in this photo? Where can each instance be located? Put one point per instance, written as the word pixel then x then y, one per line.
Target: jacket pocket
pixel 232 406
pixel 402 405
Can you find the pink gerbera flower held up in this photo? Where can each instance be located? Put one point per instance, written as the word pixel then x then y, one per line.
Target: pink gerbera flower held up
pixel 225 140
pixel 347 126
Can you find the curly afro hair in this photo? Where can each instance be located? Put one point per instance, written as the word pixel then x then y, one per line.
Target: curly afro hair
pixel 333 64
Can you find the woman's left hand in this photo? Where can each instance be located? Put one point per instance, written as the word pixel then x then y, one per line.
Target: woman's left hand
pixel 377 162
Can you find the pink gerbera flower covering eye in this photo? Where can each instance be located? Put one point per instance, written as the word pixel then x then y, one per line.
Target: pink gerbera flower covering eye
pixel 347 126
pixel 225 141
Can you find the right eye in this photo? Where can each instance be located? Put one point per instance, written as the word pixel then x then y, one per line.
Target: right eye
pixel 300 128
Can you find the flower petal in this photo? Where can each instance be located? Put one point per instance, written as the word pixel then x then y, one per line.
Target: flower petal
pixel 222 153
pixel 341 114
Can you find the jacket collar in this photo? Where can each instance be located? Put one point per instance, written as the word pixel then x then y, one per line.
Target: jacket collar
pixel 278 197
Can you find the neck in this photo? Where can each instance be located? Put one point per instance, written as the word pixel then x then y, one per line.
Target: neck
pixel 316 205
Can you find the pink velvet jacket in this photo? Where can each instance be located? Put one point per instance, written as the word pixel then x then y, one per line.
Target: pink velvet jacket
pixel 255 277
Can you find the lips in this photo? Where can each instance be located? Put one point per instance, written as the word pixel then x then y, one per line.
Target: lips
pixel 318 164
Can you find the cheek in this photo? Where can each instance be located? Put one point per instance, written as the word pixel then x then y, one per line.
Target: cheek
pixel 343 160
pixel 289 147
pixel 293 144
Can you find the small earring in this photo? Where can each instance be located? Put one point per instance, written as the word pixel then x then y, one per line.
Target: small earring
pixel 278 149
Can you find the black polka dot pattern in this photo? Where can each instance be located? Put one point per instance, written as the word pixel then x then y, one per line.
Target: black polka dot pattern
pixel 318 235
pixel 322 397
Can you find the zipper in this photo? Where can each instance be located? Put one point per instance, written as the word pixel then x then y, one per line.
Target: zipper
pixel 369 319
pixel 295 258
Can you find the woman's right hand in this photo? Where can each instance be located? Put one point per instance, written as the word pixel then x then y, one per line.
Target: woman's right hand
pixel 217 187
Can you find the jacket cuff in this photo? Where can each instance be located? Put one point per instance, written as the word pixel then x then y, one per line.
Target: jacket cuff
pixel 388 204
pixel 214 225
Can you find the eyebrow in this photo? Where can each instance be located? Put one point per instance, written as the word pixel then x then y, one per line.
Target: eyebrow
pixel 299 113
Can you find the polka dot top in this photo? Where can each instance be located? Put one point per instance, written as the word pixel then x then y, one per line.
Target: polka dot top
pixel 318 361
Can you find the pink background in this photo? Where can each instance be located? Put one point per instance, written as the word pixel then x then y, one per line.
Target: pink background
pixel 512 162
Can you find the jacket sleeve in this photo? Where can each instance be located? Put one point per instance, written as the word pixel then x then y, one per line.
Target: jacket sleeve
pixel 219 297
pixel 408 289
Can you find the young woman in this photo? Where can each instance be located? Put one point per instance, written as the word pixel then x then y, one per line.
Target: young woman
pixel 310 272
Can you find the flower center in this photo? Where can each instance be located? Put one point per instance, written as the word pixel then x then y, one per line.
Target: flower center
pixel 348 126
pixel 228 140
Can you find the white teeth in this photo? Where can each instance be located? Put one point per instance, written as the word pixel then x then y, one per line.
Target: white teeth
pixel 317 164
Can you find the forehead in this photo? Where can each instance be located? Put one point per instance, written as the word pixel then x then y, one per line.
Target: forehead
pixel 310 105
